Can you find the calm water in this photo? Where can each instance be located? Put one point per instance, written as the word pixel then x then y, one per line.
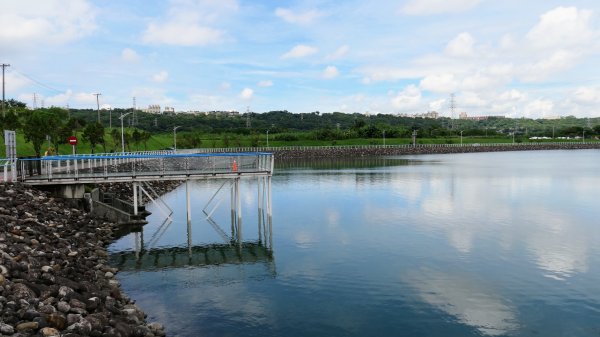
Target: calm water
pixel 487 244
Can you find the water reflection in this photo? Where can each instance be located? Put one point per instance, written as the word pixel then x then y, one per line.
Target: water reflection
pixel 461 245
pixel 469 301
pixel 197 256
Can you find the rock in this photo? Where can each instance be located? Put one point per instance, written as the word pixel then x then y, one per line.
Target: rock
pixel 54 274
pixel 82 327
pixel 57 320
pixel 63 306
pixel 6 329
pixel 75 303
pixel 27 326
pixel 73 318
pixel 50 332
pixel 47 309
pixel 30 314
pixel 64 291
pixel 21 291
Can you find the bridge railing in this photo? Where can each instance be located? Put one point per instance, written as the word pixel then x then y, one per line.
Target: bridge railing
pixel 113 166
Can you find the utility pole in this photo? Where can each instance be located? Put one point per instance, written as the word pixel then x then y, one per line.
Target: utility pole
pixel 3 98
pixel 34 101
pixel 98 105
pixel 134 115
pixel 248 125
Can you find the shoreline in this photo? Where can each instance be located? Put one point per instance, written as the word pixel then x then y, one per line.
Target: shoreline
pixel 55 279
pixel 366 151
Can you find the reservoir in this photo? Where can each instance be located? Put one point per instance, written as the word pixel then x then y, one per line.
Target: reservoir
pixel 480 244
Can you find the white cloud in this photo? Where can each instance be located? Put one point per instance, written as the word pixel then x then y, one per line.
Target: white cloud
pixel 188 23
pixel 587 96
pixel 61 99
pixel 539 108
pixel 428 7
pixel 512 95
pixel 437 105
pixel 161 77
pixel 331 72
pixel 303 18
pixel 84 98
pixel 28 23
pixel 247 94
pixel 562 27
pixel 443 83
pixel 130 55
pixel 182 34
pixel 300 51
pixel 545 68
pixel 338 53
pixel 14 81
pixel 408 99
pixel 265 83
pixel 461 46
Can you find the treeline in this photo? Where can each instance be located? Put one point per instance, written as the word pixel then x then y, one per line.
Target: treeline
pixel 337 125
pixel 102 129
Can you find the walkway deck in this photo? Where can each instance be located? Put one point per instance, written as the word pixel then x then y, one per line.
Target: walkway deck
pixel 137 167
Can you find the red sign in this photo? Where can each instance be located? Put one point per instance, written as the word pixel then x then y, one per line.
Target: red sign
pixel 73 140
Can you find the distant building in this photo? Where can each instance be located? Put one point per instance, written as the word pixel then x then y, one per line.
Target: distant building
pixel 153 109
pixel 463 115
pixel 169 109
pixel 431 114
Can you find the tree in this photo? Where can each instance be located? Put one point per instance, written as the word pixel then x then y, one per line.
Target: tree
pixel 145 138
pixel 38 125
pixel 10 120
pixel 136 137
pixel 115 135
pixel 94 134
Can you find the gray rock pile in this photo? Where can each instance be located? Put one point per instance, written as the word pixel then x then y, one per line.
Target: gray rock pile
pixel 54 276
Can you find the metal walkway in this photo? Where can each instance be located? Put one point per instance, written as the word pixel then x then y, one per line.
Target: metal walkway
pixel 138 167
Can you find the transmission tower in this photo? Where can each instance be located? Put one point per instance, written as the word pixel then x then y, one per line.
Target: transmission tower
pixel 34 101
pixel 452 109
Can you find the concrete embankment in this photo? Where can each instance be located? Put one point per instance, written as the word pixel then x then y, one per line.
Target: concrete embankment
pixel 366 151
pixel 54 276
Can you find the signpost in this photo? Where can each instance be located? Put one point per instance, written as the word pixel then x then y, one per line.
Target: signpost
pixel 10 140
pixel 73 142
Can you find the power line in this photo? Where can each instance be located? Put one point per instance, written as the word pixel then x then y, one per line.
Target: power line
pixel 38 82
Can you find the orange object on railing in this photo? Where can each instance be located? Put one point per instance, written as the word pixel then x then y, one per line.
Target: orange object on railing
pixel 234 166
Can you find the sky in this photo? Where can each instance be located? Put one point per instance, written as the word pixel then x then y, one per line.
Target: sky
pixel 535 58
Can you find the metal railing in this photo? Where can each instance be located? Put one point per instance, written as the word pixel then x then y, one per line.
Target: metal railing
pixel 140 166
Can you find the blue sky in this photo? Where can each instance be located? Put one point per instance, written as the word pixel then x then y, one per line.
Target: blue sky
pixel 512 58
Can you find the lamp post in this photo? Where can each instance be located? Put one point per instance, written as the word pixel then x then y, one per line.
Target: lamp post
pixel 122 135
pixel 461 141
pixel 175 138
pixel 583 139
pixel 383 137
pixel 267 138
